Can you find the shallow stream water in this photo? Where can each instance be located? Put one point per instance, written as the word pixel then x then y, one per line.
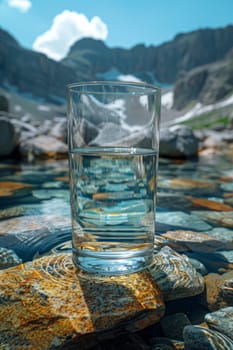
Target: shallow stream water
pixel 194 211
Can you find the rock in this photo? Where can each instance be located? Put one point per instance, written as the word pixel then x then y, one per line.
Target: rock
pixel 223 234
pixel 181 185
pixel 225 255
pixel 199 266
pixel 28 235
pixel 188 184
pixel 9 188
pixel 173 201
pixel 161 343
pixel 221 321
pixel 194 241
pixel 9 137
pixel 4 104
pixel 213 298
pixel 210 204
pixel 227 290
pixel 200 338
pixel 182 220
pixel 173 325
pixel 224 218
pixel 178 141
pixel 109 134
pixel 44 146
pixel 129 341
pixel 88 131
pixel 48 299
pixel 59 130
pixel 227 187
pixel 8 258
pixel 175 275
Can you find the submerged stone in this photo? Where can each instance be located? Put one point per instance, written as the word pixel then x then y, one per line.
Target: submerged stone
pixel 48 299
pixel 224 218
pixel 173 325
pixel 8 188
pixel 175 275
pixel 223 234
pixel 227 290
pixel 221 321
pixel 182 220
pixel 200 338
pixel 28 235
pixel 162 343
pixel 214 297
pixel 210 204
pixel 194 241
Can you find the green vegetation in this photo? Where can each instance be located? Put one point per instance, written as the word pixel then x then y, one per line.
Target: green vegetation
pixel 209 120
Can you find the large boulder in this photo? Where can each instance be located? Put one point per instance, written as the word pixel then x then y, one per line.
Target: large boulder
pixel 4 104
pixel 9 137
pixel 43 146
pixel 178 142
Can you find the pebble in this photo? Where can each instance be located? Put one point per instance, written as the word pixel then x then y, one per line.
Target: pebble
pixel 227 290
pixel 175 275
pixel 213 297
pixel 221 321
pixel 200 338
pixel 173 325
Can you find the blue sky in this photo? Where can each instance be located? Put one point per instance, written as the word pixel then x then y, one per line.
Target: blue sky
pixel 51 26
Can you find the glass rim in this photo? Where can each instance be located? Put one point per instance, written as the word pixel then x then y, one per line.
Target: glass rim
pixel 141 88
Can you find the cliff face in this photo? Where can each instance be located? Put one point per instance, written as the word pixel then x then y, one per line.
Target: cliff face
pixel 33 73
pixel 206 84
pixel 166 62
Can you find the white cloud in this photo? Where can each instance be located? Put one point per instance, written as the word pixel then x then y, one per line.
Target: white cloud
pixel 68 27
pixel 22 5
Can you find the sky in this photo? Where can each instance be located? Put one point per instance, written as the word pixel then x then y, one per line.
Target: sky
pixel 52 26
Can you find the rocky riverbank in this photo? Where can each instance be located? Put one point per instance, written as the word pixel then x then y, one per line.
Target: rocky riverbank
pixel 31 140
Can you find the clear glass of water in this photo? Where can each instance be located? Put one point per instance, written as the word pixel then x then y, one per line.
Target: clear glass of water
pixel 113 135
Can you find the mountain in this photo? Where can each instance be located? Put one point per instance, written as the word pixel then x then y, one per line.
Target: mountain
pixel 206 84
pixel 35 76
pixel 164 63
pixel 32 73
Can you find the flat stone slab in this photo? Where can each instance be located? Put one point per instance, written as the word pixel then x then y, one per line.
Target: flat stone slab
pixel 48 303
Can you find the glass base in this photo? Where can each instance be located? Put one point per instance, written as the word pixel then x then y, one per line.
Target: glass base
pixel 106 264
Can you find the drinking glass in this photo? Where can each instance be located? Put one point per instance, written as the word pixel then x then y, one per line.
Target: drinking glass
pixel 113 136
